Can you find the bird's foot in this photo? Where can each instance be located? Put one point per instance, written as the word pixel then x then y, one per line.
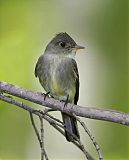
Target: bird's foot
pixel 46 95
pixel 66 102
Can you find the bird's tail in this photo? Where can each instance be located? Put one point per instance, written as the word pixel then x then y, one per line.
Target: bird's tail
pixel 71 127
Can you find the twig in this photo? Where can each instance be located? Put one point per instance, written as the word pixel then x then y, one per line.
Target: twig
pixel 35 128
pixel 40 138
pixel 87 155
pixel 43 152
pixel 88 112
pixel 49 110
pixel 79 142
pixel 52 122
pixel 91 137
pixel 76 139
pixel 57 120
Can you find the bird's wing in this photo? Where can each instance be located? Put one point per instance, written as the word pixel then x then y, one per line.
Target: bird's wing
pixel 76 80
pixel 38 66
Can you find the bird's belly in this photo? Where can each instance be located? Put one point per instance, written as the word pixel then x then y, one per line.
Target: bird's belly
pixel 57 89
pixel 62 88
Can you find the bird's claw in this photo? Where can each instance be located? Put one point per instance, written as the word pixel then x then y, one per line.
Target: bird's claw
pixel 45 95
pixel 66 101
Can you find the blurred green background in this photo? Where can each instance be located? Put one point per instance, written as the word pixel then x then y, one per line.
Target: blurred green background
pixel 102 27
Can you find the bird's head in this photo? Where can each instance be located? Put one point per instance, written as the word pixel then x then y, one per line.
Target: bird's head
pixel 63 44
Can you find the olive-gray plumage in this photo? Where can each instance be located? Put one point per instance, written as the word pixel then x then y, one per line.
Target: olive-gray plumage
pixel 58 74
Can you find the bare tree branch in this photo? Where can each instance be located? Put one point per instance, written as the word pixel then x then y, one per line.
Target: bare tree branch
pixel 40 138
pixel 56 125
pixel 88 112
pixel 91 137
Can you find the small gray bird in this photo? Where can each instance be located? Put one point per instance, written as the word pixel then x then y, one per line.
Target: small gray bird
pixel 58 74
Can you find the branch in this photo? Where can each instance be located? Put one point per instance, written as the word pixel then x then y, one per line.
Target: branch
pixel 40 139
pixel 91 137
pixel 56 125
pixel 87 112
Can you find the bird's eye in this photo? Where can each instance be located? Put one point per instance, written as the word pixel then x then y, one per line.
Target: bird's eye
pixel 62 44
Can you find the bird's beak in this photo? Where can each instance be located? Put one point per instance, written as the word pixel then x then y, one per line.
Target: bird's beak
pixel 77 47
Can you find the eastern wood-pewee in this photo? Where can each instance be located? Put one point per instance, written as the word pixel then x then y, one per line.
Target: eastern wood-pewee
pixel 58 74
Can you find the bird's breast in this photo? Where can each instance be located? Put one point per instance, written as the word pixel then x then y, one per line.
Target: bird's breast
pixel 56 86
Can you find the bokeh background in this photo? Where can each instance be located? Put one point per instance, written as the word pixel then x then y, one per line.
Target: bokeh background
pixel 102 27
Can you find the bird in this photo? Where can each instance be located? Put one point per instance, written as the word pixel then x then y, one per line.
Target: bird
pixel 57 72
